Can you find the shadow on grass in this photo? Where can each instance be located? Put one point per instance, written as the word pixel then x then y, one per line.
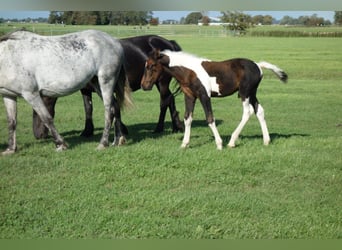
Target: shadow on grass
pixel 274 136
pixel 142 131
pixel 136 133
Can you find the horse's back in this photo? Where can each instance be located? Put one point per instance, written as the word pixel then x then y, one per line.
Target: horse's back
pixel 137 49
pixel 57 65
pixel 231 66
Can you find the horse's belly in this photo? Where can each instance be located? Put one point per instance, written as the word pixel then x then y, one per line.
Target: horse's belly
pixel 63 84
pixel 215 87
pixel 56 92
pixel 8 92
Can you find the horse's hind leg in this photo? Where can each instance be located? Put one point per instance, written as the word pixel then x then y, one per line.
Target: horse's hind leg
pixel 40 131
pixel 247 112
pixel 261 117
pixel 206 103
pixel 88 109
pixel 120 129
pixel 11 109
pixel 108 102
pixel 38 105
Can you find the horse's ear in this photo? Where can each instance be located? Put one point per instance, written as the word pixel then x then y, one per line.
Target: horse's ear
pixel 156 54
pixel 153 42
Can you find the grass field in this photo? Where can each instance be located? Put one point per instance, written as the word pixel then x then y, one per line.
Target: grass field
pixel 150 188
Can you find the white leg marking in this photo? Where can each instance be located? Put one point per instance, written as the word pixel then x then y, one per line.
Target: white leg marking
pixel 217 136
pixel 119 141
pixel 261 117
pixel 247 112
pixel 61 148
pixel 186 138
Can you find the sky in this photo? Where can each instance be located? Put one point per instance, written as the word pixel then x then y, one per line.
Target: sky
pixel 177 15
pixel 164 15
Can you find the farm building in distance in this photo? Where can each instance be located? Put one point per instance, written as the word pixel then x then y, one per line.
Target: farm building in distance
pixel 213 21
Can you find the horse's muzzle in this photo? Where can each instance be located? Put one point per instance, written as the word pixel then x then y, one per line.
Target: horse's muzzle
pixel 146 86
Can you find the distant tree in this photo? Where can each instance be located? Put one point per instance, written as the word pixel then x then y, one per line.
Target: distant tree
pixel 258 19
pixel 315 20
pixel 238 21
pixel 68 17
pixel 267 20
pixel 182 20
pixel 205 20
pixel 100 17
pixel 154 21
pixel 338 18
pixel 131 17
pixel 105 17
pixel 287 20
pixel 193 18
pixel 55 17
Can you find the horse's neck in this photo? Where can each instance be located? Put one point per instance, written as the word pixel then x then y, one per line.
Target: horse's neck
pixel 183 75
pixel 174 72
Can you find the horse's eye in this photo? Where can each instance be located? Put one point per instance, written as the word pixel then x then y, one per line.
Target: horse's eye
pixel 150 66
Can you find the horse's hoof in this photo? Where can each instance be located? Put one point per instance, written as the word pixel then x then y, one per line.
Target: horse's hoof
pixel 8 152
pixel 101 147
pixel 219 147
pixel 266 143
pixel 119 142
pixel 61 148
pixel 231 145
pixel 122 141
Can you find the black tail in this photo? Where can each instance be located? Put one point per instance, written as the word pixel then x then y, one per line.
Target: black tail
pixel 122 90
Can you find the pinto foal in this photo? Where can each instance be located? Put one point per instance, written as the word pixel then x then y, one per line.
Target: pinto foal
pixel 200 78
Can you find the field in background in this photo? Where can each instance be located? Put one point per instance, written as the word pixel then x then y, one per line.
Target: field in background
pixel 179 30
pixel 150 188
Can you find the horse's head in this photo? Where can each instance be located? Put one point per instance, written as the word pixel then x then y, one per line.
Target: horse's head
pixel 153 69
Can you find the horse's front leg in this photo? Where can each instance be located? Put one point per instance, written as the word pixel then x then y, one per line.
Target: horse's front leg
pixel 206 103
pixel 11 109
pixel 88 109
pixel 189 109
pixel 167 100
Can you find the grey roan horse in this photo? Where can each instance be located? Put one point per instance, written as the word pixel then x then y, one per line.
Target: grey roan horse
pixel 136 50
pixel 32 66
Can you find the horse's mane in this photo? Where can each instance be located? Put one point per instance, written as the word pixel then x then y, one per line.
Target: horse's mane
pixel 183 54
pixel 11 35
pixel 6 37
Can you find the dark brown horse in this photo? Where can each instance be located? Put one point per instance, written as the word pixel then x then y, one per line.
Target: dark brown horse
pixel 136 50
pixel 200 78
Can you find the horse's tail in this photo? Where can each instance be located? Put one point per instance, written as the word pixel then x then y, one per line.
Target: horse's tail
pixel 122 90
pixel 279 72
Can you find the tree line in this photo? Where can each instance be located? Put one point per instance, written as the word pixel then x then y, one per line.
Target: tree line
pixel 241 19
pixel 100 17
pixel 236 18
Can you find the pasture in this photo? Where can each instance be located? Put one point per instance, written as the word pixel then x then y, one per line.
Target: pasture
pixel 151 188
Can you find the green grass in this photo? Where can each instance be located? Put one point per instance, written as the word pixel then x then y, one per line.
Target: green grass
pixel 150 188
